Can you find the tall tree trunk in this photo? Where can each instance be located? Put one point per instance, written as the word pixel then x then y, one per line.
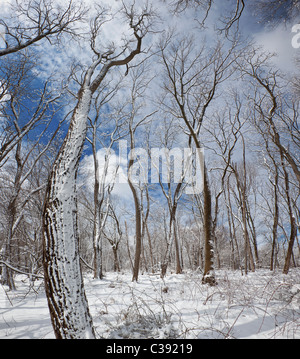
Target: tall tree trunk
pixel 293 224
pixel 63 278
pixel 172 238
pixel 248 251
pixel 116 258
pixel 232 228
pixel 150 250
pixel 290 247
pixel 208 276
pixel 138 207
pixel 98 260
pixel 253 235
pixel 138 221
pixel 7 276
pixel 138 234
pixel 7 273
pixel 276 220
pixel 177 250
pixel 98 200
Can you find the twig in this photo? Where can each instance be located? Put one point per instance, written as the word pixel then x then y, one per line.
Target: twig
pixel 21 272
pixel 7 296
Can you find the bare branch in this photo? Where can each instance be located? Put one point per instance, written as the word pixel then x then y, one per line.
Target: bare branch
pixel 31 21
pixel 140 24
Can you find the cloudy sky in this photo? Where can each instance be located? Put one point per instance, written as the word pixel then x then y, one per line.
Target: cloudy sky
pixel 277 40
pixel 273 39
pixel 58 60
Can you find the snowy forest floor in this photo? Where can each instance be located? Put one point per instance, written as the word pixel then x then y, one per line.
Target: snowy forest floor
pixel 260 305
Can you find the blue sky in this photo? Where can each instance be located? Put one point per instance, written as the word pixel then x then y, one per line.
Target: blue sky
pixel 56 61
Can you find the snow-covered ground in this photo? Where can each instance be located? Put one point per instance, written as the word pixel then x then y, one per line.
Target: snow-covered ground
pixel 261 305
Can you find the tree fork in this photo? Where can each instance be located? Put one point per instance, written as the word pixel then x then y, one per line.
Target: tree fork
pixel 63 278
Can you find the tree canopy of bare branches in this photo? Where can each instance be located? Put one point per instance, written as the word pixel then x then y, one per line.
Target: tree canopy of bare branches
pixel 30 21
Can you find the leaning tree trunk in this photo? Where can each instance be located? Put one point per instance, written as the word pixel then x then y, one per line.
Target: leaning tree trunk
pixel 63 278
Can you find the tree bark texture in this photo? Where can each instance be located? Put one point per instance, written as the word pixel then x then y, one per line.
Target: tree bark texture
pixel 138 230
pixel 290 247
pixel 63 278
pixel 208 276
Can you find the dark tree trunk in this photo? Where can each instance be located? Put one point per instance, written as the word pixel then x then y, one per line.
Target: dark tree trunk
pixel 208 276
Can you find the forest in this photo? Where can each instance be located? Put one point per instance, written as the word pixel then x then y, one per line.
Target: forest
pixel 151 139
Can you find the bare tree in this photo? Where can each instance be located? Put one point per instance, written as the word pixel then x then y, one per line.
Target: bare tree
pixel 234 16
pixel 114 238
pixel 293 232
pixel 63 278
pixel 225 132
pixel 102 189
pixel 139 85
pixel 276 117
pixel 17 78
pixel 270 12
pixel 172 199
pixel 242 187
pixel 269 106
pixel 229 136
pixel 172 187
pixel 31 21
pixel 273 208
pixel 137 206
pixel 191 82
pixel 24 154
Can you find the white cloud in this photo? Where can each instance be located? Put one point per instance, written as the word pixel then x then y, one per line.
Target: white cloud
pixel 4 6
pixel 2 36
pixel 115 31
pixel 279 41
pixel 121 187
